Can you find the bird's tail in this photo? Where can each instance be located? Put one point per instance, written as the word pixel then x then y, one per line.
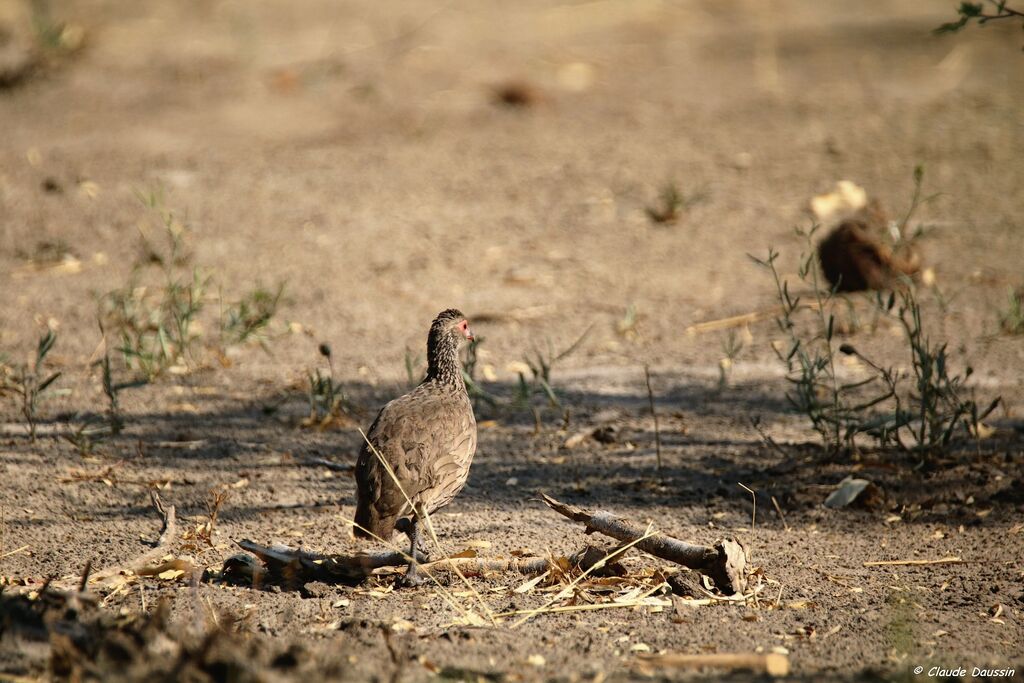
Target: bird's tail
pixel 364 521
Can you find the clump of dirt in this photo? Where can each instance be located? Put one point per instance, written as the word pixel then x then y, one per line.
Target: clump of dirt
pixel 69 637
pixel 516 94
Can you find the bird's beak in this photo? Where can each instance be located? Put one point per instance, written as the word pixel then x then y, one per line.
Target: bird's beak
pixel 468 333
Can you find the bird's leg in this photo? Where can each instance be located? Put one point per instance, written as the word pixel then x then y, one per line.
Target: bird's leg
pixel 404 525
pixel 414 576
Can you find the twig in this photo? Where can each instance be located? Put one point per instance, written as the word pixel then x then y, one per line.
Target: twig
pixel 654 414
pixel 915 563
pixel 724 563
pixel 84 583
pixel 755 422
pixel 772 663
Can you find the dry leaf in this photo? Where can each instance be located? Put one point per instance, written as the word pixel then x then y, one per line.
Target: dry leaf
pixel 528 586
pixel 170 574
pixel 849 490
pixel 846 198
pixel 536 660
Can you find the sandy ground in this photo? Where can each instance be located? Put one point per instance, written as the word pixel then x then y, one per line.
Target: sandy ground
pixel 355 153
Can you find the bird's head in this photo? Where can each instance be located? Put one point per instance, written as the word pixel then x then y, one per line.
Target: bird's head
pixel 451 324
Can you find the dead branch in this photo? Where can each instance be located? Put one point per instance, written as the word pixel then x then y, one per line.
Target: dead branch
pixel 168 534
pixel 302 566
pixel 724 563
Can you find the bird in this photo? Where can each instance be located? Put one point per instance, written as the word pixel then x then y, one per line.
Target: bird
pixel 416 455
pixel 854 258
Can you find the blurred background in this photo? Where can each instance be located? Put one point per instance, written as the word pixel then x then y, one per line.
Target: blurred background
pixel 387 160
pixel 226 225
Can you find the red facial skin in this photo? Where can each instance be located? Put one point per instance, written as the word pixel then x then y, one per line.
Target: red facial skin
pixel 464 328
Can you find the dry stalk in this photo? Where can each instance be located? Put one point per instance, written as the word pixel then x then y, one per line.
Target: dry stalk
pixel 753 498
pixel 597 565
pixel 781 516
pixel 915 563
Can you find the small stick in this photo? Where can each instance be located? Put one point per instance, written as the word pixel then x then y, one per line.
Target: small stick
pixel 654 414
pixel 779 510
pixel 84 583
pixel 915 563
pixel 773 664
pixel 732 321
pixel 740 320
pixel 13 552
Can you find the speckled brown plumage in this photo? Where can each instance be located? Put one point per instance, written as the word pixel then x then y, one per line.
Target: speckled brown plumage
pixel 427 437
pixel 854 256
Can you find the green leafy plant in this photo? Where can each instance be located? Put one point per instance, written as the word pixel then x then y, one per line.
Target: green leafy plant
pixel 88 434
pixel 732 346
pixel 413 365
pixel 250 316
pixel 930 412
pixel 673 203
pixel 156 326
pixel 53 37
pixel 476 392
pixel 810 357
pixel 157 320
pixel 173 234
pixel 1011 320
pixel 326 396
pixel 94 429
pixel 917 411
pixel 627 325
pixel 974 12
pixel 541 365
pixel 29 385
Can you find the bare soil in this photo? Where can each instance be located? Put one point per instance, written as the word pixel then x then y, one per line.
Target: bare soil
pixel 368 156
